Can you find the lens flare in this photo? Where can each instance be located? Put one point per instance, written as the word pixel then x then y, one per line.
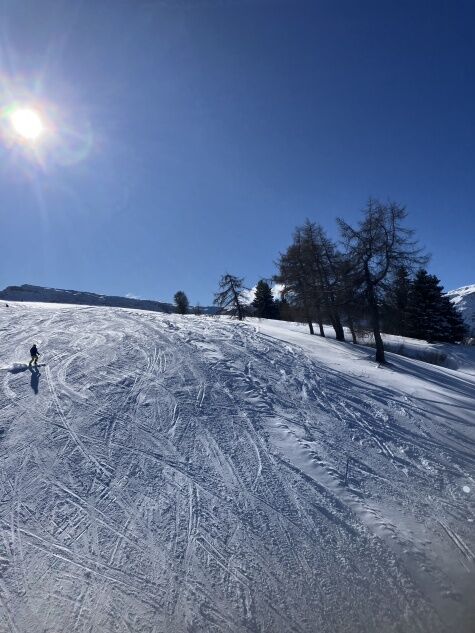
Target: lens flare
pixel 36 131
pixel 27 123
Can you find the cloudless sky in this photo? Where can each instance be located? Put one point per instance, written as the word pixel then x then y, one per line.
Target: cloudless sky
pixel 189 138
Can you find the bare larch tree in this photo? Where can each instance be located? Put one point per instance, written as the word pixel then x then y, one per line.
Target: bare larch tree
pixel 376 249
pixel 231 294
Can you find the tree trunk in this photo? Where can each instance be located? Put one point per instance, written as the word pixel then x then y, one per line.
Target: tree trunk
pixel 320 323
pixel 351 325
pixel 374 310
pixel 238 305
pixel 310 325
pixel 334 317
pixel 339 331
pixel 337 326
pixel 374 313
pixel 380 358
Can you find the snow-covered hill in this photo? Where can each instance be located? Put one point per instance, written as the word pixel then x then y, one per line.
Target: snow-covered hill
pixel 173 474
pixel 27 292
pixel 464 299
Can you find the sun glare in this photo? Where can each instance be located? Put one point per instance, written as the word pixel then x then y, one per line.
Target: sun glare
pixel 27 123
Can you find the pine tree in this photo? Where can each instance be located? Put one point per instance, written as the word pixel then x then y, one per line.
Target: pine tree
pixel 264 301
pixel 284 309
pixel 181 302
pixel 424 297
pixel 457 328
pixel 231 294
pixel 395 305
pixel 432 316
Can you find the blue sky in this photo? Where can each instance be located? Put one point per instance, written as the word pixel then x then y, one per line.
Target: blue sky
pixel 189 138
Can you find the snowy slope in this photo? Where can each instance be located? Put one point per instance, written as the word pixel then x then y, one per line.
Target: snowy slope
pixel 185 474
pixel 27 292
pixel 449 355
pixel 464 299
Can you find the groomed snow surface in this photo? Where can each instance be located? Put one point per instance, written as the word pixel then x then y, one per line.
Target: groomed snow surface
pixel 167 474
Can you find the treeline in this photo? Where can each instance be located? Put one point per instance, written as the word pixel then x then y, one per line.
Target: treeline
pixel 372 279
pixel 417 307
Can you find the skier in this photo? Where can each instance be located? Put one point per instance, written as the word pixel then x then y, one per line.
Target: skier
pixel 34 355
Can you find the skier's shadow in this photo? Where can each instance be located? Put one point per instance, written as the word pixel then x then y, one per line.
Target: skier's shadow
pixel 35 379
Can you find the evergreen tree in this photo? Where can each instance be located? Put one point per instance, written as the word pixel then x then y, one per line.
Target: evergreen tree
pixel 396 302
pixel 231 294
pixel 264 301
pixel 284 309
pixel 426 321
pixel 457 328
pixel 181 302
pixel 432 316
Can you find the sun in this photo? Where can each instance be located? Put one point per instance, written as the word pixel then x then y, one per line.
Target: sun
pixel 27 123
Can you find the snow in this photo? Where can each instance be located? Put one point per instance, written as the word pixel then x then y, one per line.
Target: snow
pixel 451 356
pixel 28 292
pixel 173 474
pixel 464 299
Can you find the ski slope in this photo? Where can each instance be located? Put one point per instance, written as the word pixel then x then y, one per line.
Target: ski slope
pixel 168 474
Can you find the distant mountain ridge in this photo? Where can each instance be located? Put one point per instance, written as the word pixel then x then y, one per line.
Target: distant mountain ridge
pixel 464 299
pixel 28 292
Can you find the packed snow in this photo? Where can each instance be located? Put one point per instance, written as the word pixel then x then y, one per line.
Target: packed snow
pixel 449 355
pixel 169 474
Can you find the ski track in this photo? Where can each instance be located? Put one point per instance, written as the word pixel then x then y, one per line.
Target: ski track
pixel 177 474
